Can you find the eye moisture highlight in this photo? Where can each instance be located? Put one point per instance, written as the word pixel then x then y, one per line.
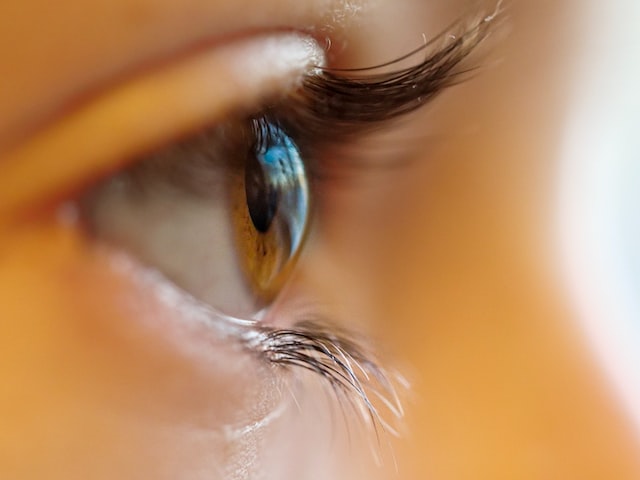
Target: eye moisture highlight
pixel 224 214
pixel 272 218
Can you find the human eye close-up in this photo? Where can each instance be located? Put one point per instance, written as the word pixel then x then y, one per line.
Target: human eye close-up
pixel 318 239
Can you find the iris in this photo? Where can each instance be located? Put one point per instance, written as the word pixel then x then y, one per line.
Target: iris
pixel 276 185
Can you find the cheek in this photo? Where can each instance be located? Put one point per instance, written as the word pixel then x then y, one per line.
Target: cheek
pixel 100 370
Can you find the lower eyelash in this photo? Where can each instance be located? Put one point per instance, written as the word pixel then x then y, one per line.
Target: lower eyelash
pixel 341 359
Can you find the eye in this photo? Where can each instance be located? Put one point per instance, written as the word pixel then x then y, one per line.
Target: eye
pixel 222 214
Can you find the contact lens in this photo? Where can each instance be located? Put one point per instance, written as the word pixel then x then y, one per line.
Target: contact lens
pixel 272 225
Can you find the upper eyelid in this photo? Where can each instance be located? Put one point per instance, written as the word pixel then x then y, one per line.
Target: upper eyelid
pixel 123 37
pixel 356 106
pixel 330 108
pixel 149 111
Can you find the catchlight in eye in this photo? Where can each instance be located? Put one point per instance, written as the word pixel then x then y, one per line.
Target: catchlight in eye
pixel 273 208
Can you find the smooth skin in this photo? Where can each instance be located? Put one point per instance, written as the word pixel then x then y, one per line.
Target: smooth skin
pixel 98 383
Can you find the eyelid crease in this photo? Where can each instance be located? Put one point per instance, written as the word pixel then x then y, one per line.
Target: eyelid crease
pixel 334 106
pixel 149 111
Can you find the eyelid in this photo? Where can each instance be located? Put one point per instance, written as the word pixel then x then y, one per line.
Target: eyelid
pixel 150 110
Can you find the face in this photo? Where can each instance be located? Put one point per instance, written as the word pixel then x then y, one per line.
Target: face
pixel 179 226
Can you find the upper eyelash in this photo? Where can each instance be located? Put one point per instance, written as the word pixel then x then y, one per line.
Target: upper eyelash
pixel 332 105
pixel 331 108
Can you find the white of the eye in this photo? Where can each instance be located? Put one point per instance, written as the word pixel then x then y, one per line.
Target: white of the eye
pixel 600 194
pixel 190 239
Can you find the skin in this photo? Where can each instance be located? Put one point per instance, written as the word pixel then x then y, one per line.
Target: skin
pixel 98 382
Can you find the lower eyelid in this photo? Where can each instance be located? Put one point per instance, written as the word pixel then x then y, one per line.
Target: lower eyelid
pixel 146 112
pixel 126 305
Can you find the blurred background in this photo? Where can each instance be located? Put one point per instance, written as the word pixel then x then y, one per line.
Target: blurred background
pixel 504 270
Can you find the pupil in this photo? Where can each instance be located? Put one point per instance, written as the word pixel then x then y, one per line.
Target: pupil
pixel 262 197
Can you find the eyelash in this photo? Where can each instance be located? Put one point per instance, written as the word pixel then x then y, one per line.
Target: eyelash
pixel 331 109
pixel 335 106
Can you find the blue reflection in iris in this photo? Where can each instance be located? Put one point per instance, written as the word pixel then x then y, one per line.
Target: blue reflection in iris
pixel 285 189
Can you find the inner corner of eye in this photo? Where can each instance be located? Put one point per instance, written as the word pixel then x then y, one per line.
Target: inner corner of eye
pixel 222 214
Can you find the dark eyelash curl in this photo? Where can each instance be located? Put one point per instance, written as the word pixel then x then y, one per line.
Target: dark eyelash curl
pixel 337 103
